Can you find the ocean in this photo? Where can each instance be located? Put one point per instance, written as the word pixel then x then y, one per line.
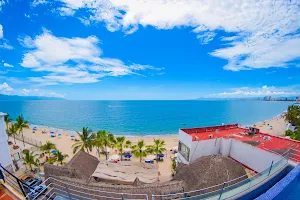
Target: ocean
pixel 138 118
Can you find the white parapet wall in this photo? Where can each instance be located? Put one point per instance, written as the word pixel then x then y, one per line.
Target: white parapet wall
pixel 5 157
pixel 255 158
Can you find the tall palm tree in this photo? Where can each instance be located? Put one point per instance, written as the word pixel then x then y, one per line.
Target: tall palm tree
pixel 157 148
pixel 128 144
pixel 106 139
pixel 60 158
pixel 21 125
pixel 98 142
pixel 120 145
pixel 13 131
pixel 86 141
pixel 7 120
pixel 140 150
pixel 47 147
pixel 30 158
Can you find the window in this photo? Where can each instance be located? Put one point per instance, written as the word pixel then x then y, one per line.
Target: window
pixel 184 150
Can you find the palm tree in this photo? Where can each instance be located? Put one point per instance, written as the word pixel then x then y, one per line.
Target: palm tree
pixel 29 158
pixel 7 120
pixel 98 142
pixel 13 131
pixel 128 144
pixel 120 145
pixel 60 158
pixel 106 139
pixel 157 148
pixel 47 147
pixel 140 150
pixel 86 142
pixel 21 125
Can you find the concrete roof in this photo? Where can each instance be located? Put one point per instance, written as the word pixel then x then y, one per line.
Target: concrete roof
pixel 276 144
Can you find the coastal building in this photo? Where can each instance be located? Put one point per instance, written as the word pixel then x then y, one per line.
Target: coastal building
pixel 246 145
pixel 5 156
pixel 267 98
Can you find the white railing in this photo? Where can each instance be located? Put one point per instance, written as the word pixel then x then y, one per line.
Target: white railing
pixel 55 187
pixel 224 190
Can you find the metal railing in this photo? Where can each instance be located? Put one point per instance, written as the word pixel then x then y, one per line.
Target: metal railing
pixel 53 188
pixel 231 188
pixel 28 140
pixel 56 188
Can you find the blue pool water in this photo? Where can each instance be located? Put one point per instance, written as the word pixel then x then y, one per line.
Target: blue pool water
pixel 295 194
pixel 141 117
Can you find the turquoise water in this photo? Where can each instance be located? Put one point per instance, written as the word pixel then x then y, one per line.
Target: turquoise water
pixel 141 117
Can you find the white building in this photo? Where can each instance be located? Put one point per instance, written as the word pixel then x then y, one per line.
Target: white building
pixel 5 156
pixel 257 151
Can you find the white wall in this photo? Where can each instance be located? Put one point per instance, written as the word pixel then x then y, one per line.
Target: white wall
pixel 185 138
pixel 225 147
pixel 204 148
pixel 255 158
pixel 5 158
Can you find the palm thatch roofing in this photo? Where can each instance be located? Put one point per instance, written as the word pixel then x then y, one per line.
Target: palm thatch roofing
pixel 209 171
pixel 125 172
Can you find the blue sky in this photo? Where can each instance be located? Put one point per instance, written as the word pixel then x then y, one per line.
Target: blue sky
pixel 158 49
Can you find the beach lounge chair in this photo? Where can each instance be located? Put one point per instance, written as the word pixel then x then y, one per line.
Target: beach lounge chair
pixel 72 137
pixel 149 161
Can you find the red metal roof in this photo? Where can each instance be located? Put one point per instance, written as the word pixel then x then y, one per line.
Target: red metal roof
pixel 276 144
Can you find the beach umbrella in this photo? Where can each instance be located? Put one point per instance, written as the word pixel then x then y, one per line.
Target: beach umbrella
pixel 114 157
pixel 53 151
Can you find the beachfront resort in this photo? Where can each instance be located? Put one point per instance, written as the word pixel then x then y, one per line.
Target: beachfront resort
pixel 217 162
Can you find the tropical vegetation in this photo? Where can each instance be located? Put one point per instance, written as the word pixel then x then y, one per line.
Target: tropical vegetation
pixel 293 117
pixel 140 150
pixel 47 147
pixel 12 131
pixel 21 123
pixel 30 158
pixel 59 158
pixel 86 141
pixel 7 120
pixel 157 148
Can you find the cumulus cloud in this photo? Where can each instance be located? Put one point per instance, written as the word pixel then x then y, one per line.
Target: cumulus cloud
pixel 263 33
pixel 256 92
pixel 73 60
pixel 5 88
pixel 7 65
pixel 3 41
pixel 8 90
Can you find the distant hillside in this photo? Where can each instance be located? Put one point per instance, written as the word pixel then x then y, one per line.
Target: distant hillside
pixel 21 98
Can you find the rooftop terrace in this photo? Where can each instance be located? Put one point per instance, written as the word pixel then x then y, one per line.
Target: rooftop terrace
pixel 264 141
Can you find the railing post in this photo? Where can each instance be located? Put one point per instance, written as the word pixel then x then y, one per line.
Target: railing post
pixel 222 190
pixel 270 167
pixel 69 195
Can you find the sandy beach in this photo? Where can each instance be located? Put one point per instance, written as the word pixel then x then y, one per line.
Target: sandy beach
pixel 64 143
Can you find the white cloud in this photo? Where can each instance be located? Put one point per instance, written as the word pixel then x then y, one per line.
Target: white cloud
pixel 263 33
pixel 256 92
pixel 38 92
pixel 1 31
pixel 38 2
pixel 5 88
pixel 72 60
pixel 2 2
pixel 8 90
pixel 7 65
pixel 64 11
pixel 3 41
